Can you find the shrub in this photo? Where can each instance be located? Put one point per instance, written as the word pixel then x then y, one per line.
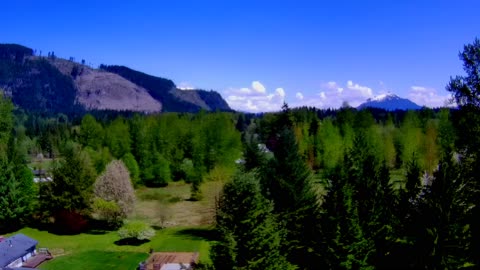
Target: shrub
pixel 136 229
pixel 108 211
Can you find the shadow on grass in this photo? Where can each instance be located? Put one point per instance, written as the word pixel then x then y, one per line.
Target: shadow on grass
pixel 93 227
pixel 132 241
pixel 198 234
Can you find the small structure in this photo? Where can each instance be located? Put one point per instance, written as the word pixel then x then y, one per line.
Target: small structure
pixel 15 250
pixel 170 261
pixel 40 176
pixel 19 251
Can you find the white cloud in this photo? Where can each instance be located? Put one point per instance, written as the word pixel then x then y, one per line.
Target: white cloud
pixel 416 88
pixel 427 96
pixel 333 94
pixel 257 86
pixel 322 95
pixel 255 99
pixel 330 85
pixel 279 91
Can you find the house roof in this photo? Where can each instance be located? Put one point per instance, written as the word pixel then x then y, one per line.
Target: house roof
pixel 18 268
pixel 167 260
pixel 15 247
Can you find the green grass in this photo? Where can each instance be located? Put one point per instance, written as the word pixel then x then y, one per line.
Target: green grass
pixel 99 251
pixel 44 163
pixel 175 191
pixel 97 259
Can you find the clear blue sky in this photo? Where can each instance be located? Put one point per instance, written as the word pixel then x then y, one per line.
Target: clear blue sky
pixel 256 53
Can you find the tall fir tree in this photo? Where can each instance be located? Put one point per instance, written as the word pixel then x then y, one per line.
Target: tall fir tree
pixel 250 236
pixel 17 192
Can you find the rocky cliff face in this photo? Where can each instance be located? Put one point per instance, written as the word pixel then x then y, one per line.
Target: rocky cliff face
pixel 52 85
pixel 101 90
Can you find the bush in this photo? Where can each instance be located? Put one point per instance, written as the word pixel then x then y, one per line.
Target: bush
pixel 108 211
pixel 136 229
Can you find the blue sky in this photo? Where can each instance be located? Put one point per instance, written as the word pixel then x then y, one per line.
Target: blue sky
pixel 259 53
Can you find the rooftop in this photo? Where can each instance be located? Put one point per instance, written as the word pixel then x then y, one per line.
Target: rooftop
pixel 168 260
pixel 15 247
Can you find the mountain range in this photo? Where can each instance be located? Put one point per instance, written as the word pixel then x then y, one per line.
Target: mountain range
pixel 389 102
pixel 49 84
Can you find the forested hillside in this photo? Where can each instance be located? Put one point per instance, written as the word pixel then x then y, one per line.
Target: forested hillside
pixel 49 85
pixel 35 85
pixel 174 100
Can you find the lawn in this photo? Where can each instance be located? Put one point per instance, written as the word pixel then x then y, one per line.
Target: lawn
pixel 186 228
pixel 99 251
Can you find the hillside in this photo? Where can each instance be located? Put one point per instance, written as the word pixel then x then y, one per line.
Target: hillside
pixel 97 89
pixel 55 85
pixel 34 84
pixel 166 91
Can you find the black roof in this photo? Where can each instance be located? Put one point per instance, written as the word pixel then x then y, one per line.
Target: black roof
pixel 15 247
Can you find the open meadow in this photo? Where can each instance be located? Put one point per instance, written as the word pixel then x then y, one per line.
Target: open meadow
pixel 180 225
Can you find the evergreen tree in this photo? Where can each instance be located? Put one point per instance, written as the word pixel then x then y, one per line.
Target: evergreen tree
pixel 69 195
pixel 466 90
pixel 17 192
pixel 250 237
pixel 287 182
pixel 445 211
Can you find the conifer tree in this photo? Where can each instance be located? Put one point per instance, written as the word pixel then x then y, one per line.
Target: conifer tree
pixel 16 180
pixel 287 182
pixel 250 236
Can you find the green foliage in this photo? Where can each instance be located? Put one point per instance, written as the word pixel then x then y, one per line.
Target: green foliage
pixel 72 185
pixel 195 191
pixel 91 132
pixel 16 180
pixel 99 158
pixel 287 182
pixel 331 145
pixel 107 210
pixel 136 229
pixel 466 89
pixel 256 243
pixel 117 138
pixel 132 166
pixel 158 175
pixel 6 120
pixel 188 170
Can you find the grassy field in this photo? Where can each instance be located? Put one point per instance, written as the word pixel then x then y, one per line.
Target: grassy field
pixel 99 251
pixel 181 225
pixel 170 206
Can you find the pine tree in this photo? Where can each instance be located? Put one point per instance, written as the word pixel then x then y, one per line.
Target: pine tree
pixel 68 197
pixel 17 192
pixel 287 182
pixel 250 236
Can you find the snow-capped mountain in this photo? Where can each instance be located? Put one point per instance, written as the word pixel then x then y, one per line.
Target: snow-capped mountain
pixel 389 102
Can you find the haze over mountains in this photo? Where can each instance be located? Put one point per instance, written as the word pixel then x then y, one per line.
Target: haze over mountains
pixel 51 84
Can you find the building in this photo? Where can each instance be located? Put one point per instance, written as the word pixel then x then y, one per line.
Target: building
pixel 15 250
pixel 170 261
